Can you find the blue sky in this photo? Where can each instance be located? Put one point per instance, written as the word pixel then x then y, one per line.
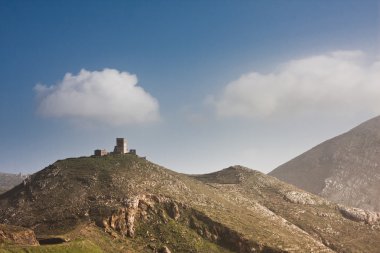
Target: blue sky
pixel 223 81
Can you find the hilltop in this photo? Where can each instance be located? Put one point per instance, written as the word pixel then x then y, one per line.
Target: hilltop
pixel 345 169
pixel 123 203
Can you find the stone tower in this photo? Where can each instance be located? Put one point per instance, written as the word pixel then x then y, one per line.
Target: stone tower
pixel 121 146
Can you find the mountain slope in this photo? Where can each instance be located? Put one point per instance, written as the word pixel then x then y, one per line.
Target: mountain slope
pixel 344 169
pixel 132 205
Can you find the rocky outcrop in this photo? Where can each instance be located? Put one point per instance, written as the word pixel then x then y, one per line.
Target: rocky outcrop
pixel 159 209
pixel 164 249
pixel 303 198
pixel 174 211
pixel 17 235
pixel 357 214
pixel 121 219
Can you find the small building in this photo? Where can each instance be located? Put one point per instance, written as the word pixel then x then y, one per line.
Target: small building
pixel 132 151
pixel 100 152
pixel 121 146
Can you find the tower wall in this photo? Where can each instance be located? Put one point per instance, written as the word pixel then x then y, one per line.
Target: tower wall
pixel 121 146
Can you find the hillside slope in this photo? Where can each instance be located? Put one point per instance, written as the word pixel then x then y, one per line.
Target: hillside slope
pixel 344 169
pixel 129 204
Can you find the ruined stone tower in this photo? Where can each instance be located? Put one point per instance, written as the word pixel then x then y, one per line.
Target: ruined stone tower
pixel 121 146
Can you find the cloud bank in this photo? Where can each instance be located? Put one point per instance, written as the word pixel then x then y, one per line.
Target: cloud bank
pixel 106 96
pixel 337 82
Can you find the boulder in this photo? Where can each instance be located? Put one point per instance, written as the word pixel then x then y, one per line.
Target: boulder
pixel 17 235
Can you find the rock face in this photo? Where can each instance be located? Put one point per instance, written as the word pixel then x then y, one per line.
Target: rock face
pixel 165 250
pixel 17 235
pixel 122 219
pixel 144 207
pixel 303 198
pixel 358 214
pixel 344 169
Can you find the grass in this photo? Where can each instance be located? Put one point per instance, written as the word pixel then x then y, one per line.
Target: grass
pixel 78 246
pixel 178 236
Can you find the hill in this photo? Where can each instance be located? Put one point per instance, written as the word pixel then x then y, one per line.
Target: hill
pixel 8 180
pixel 344 169
pixel 123 203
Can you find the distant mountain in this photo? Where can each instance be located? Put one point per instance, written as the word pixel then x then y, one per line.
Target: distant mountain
pixel 8 180
pixel 123 203
pixel 344 169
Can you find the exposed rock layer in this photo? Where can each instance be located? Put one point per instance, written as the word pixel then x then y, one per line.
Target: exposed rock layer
pixel 358 214
pixel 17 235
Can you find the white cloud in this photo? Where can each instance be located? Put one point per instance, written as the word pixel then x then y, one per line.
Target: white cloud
pixel 106 96
pixel 338 82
